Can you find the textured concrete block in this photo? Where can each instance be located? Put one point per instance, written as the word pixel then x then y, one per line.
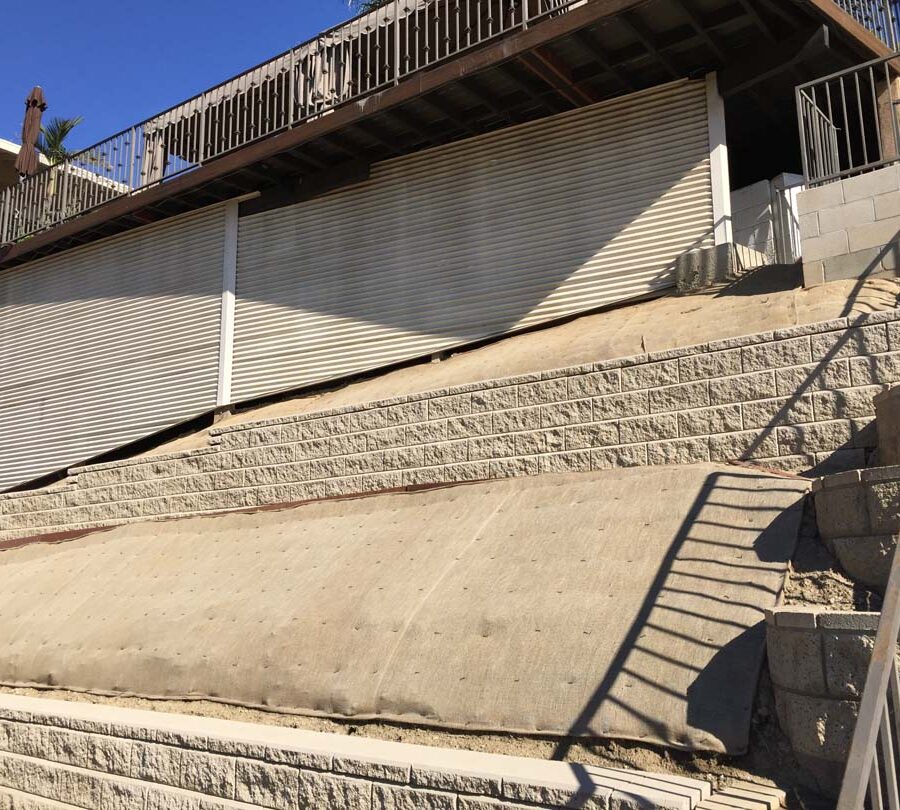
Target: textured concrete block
pixel 495 399
pixel 543 392
pixel 566 413
pixel 814 377
pixel 883 506
pixel 600 434
pixel 795 659
pixel 616 406
pixel 846 216
pixel 517 419
pixel 446 453
pixel 334 792
pixel 632 455
pixel 875 370
pixel 779 353
pixel 650 375
pixel 704 365
pixel 847 657
pixel 156 763
pixel 758 385
pixel 267 785
pixel 765 413
pixel 746 445
pixel 444 407
pixel 211 774
pixel 850 342
pixel 679 397
pixel 463 427
pixel 678 451
pixel 648 428
pixel 487 447
pixel 595 384
pixel 705 421
pixel 814 437
pixel 569 461
pixel 387 797
pixel 817 248
pixel 846 403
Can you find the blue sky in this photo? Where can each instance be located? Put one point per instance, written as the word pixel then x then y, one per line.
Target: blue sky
pixel 117 64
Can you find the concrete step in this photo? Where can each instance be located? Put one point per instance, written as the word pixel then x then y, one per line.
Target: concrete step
pixel 797 399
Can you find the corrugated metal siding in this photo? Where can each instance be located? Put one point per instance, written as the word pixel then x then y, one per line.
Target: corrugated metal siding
pixel 474 239
pixel 107 343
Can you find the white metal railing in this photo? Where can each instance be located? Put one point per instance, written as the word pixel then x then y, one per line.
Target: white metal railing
pixel 873 764
pixel 351 60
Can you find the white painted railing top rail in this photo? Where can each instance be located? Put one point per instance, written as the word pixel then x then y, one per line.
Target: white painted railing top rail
pixel 873 764
pixel 351 60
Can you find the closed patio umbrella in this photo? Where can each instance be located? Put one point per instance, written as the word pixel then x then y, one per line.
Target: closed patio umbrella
pixel 27 162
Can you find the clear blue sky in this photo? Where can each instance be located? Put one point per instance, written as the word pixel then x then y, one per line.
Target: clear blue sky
pixel 117 64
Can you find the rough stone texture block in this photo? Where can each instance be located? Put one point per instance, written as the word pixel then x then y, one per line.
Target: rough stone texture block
pixel 517 419
pixel 849 343
pixel 600 434
pixel 385 797
pixel 648 428
pixel 883 504
pixel 617 406
pixel 469 426
pixel 156 763
pixel 847 403
pixel 570 461
pixel 764 413
pixel 847 657
pixel 540 393
pixel 650 375
pixel 814 437
pixel 632 455
pixel 842 512
pixel 334 792
pixel 495 399
pixel 777 354
pixel 759 385
pixel 795 659
pixel 267 785
pixel 566 413
pixel 706 365
pixel 706 421
pixel 596 384
pixel 678 451
pixel 745 445
pixel 887 408
pixel 679 397
pixel 211 774
pixel 799 380
pixel 443 407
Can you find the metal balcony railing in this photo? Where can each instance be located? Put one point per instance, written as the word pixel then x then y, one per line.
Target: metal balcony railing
pixel 880 17
pixel 849 120
pixel 361 56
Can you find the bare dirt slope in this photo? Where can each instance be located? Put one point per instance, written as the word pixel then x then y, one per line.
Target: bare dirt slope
pixel 770 298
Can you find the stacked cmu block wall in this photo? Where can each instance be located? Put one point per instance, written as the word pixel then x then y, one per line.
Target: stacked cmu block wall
pixel 818 661
pixel 851 228
pixel 798 399
pixel 56 755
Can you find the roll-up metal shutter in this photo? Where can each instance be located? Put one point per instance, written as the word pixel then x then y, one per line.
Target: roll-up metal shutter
pixel 107 343
pixel 474 239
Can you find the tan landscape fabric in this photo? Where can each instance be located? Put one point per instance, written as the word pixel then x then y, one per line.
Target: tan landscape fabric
pixel 622 603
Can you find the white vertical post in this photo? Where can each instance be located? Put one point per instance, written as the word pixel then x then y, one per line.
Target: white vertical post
pixel 229 284
pixel 718 162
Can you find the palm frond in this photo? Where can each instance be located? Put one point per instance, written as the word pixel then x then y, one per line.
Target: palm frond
pixel 51 143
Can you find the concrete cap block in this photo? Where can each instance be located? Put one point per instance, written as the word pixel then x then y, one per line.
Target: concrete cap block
pixel 879 474
pixel 842 479
pixel 848 620
pixel 801 618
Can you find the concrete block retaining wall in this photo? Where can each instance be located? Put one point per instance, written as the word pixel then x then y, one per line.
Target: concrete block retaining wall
pixel 851 228
pixel 858 514
pixel 796 399
pixel 818 662
pixel 56 754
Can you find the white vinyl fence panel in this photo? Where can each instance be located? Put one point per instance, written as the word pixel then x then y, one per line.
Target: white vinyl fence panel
pixel 107 343
pixel 474 239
